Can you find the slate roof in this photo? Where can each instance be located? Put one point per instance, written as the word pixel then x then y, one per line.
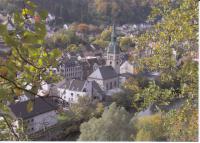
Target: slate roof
pixel 40 106
pixel 127 75
pixel 104 72
pixel 71 63
pixel 97 88
pixel 63 84
pixel 76 85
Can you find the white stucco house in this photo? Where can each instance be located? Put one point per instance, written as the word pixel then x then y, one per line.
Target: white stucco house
pixel 128 67
pixel 43 115
pixel 71 90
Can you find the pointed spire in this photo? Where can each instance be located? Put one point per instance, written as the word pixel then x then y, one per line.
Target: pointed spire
pixel 113 47
pixel 113 35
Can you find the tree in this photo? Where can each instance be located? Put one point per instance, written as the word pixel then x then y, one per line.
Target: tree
pixel 83 28
pixel 84 109
pixel 112 126
pixel 73 48
pixel 125 43
pixel 149 128
pixel 123 99
pixel 176 28
pixel 106 34
pixel 29 61
pixel 182 124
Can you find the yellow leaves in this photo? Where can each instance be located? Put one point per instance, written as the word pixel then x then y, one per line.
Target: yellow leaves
pixel 24 11
pixel 149 128
pixel 40 62
pixel 17 91
pixel 3 71
pixel 29 106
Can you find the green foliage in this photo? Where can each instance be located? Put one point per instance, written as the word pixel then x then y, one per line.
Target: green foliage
pixel 99 109
pixel 182 124
pixel 61 39
pixel 112 126
pixel 153 94
pixel 176 30
pixel 29 61
pixel 122 99
pixel 101 43
pixel 73 48
pixel 84 109
pixel 125 43
pixel 97 11
pixel 149 128
pixel 106 34
pixel 103 39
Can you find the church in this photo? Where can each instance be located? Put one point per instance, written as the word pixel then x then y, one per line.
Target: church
pixel 108 76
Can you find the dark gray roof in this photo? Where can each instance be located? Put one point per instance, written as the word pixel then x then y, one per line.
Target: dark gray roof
pixel 107 72
pixel 76 85
pixel 127 75
pixel 63 84
pixel 104 72
pixel 40 106
pixel 71 63
pixel 73 84
pixel 97 88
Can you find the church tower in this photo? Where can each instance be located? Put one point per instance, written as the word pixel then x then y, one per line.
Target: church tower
pixel 113 52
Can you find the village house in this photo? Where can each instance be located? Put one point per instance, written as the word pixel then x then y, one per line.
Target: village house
pixel 71 90
pixel 71 69
pixel 128 67
pixel 42 116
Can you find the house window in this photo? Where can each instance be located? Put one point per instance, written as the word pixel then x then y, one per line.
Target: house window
pixel 110 63
pixel 84 90
pixel 32 129
pixel 72 94
pixel 32 120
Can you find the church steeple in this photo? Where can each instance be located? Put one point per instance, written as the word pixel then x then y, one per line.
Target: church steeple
pixel 113 47
pixel 113 35
pixel 113 52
